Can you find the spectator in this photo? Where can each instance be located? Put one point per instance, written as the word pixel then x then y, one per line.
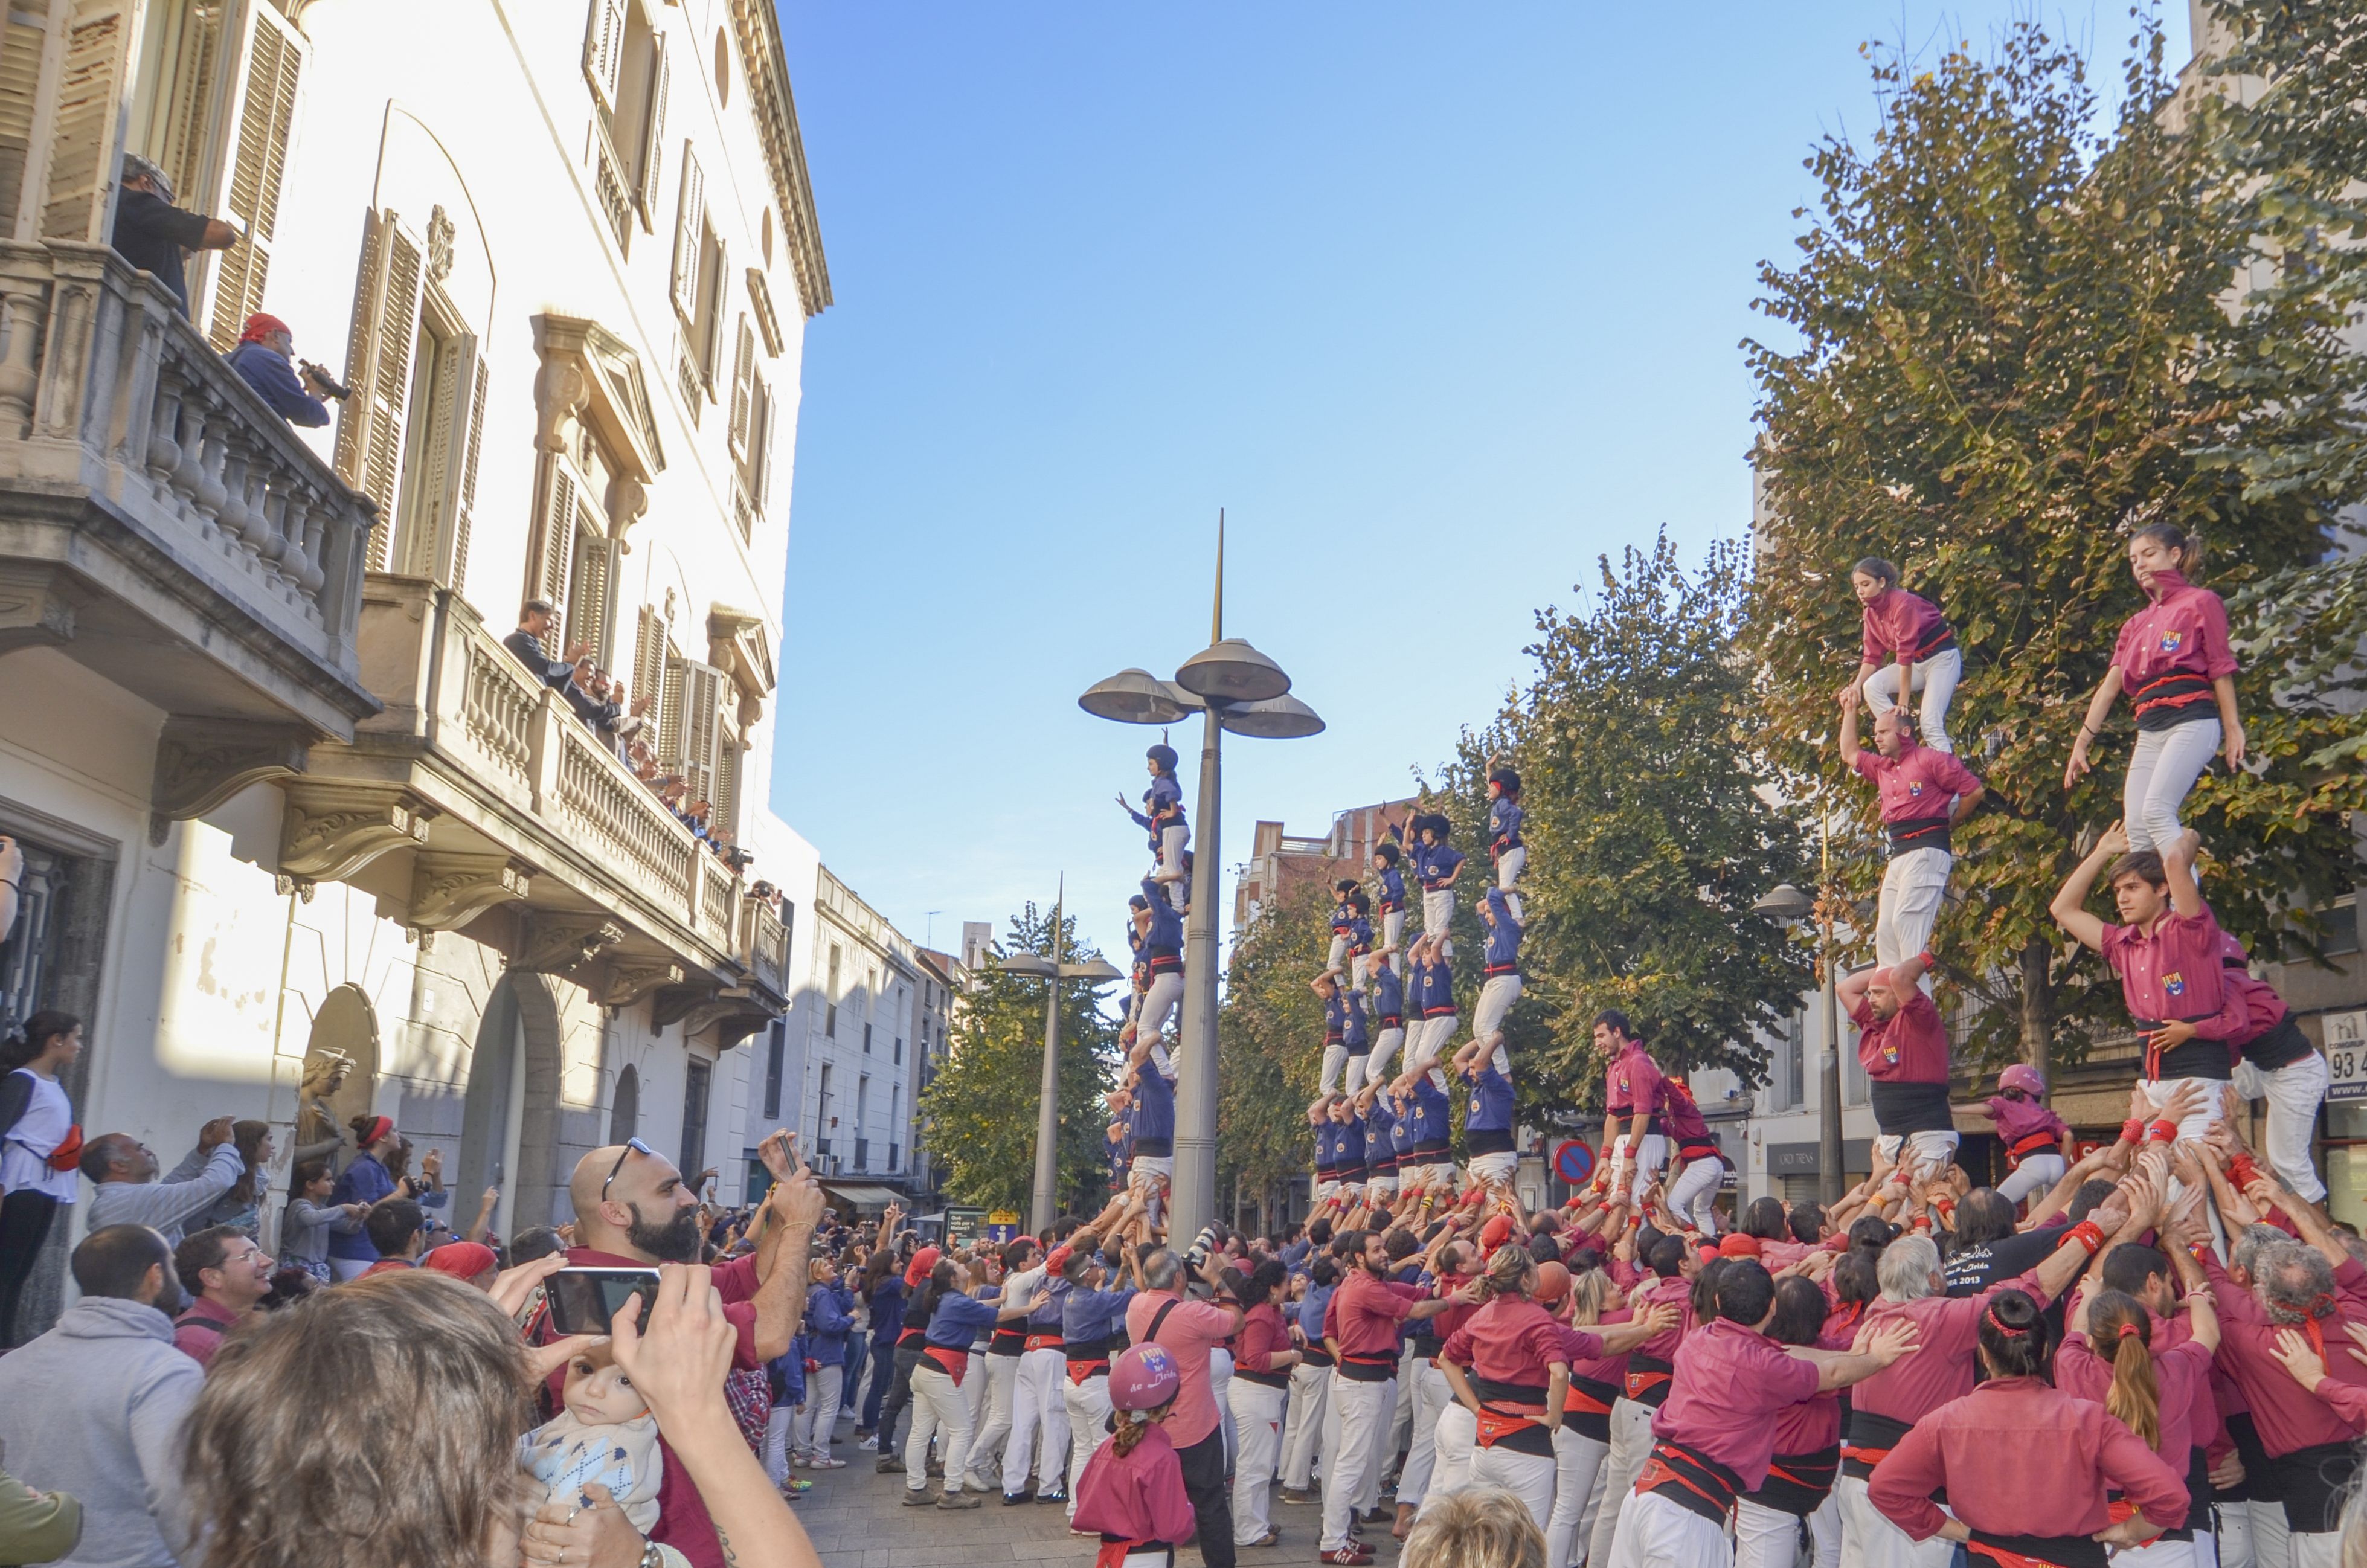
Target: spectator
pixel 151 232
pixel 310 1220
pixel 397 1230
pixel 242 1205
pixel 123 1169
pixel 36 1526
pixel 37 1131
pixel 1191 1330
pixel 97 1408
pixel 471 1263
pixel 534 1242
pixel 262 361
pixel 365 1182
pixel 830 1315
pixel 228 1275
pixel 1478 1527
pixel 534 621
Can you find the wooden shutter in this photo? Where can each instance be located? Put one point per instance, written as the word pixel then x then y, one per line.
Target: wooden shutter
pixel 377 367
pixel 710 327
pixel 603 49
pixel 84 140
pixel 460 574
pixel 557 553
pixel 725 797
pixel 650 665
pixel 361 341
pixel 587 591
pixel 762 445
pixel 743 371
pixel 653 147
pixel 670 714
pixel 689 227
pixel 22 42
pixel 265 114
pixel 199 60
pixel 702 694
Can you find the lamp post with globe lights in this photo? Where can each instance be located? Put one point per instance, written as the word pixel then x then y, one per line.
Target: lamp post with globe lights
pixel 1045 1204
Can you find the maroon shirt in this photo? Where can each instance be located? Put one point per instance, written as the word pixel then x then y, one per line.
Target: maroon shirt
pixel 1634 1081
pixel 1918 783
pixel 2263 1009
pixel 2179 1371
pixel 1260 1338
pixel 1364 1313
pixel 197 1333
pixel 1897 622
pixel 1727 1394
pixel 1940 1368
pixel 2020 1458
pixel 2175 972
pixel 1676 1292
pixel 1512 1341
pixel 2287 1416
pixel 2181 630
pixel 1909 1047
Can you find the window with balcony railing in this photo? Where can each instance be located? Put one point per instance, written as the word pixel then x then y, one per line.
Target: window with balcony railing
pixel 625 64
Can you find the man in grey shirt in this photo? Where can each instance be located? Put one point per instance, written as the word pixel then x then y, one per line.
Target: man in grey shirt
pixel 125 1172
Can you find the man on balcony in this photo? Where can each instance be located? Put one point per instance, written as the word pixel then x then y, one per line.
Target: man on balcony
pixel 262 361
pixel 534 619
pixel 151 232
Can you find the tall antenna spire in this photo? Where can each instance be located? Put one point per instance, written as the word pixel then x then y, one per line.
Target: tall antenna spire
pixel 1217 623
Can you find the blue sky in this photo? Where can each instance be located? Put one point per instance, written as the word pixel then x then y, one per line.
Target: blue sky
pixel 1440 304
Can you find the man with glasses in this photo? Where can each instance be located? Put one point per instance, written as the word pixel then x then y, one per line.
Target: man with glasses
pixel 225 1274
pixel 633 1208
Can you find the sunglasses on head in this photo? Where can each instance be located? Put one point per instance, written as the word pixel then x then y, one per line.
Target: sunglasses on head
pixel 632 1146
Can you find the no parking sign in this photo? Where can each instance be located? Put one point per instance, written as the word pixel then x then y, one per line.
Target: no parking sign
pixel 1574 1162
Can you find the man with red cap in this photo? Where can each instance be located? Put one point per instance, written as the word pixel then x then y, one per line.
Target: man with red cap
pixel 264 360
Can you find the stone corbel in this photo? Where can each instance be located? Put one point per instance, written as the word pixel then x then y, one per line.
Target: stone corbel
pixel 330 831
pixel 200 763
pixel 628 980
pixel 676 1002
pixel 35 612
pixel 559 944
pixel 448 891
pixel 628 500
pixel 732 1015
pixel 562 389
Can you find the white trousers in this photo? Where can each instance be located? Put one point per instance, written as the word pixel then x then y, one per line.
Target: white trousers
pixel 938 1410
pixel 1495 999
pixel 1656 1533
pixel 1384 1050
pixel 2272 1540
pixel 1393 939
pixel 2322 1550
pixel 1694 1197
pixel 818 1416
pixel 2293 1092
pixel 1929 1151
pixel 1220 1385
pixel 1769 1538
pixel 1577 1493
pixel 1436 1035
pixel 1310 1400
pixel 1037 1410
pixel 1936 678
pixel 1257 1417
pixel 1631 1444
pixel 2037 1173
pixel 1529 1477
pixel 1870 1540
pixel 1165 993
pixel 2162 768
pixel 1509 866
pixel 1437 915
pixel 1455 1439
pixel 1649 1161
pixel 2232 1543
pixel 1088 1407
pixel 1360 1414
pixel 2169 1554
pixel 1430 1397
pixel 1337 957
pixel 1172 838
pixel 1000 1376
pixel 1913 887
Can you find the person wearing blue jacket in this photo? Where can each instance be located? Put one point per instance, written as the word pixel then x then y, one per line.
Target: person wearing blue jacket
pixel 887 1322
pixel 1502 986
pixel 1388 993
pixel 1092 1330
pixel 1436 864
pixel 830 1315
pixel 960 1306
pixel 1504 818
pixel 1161 929
pixel 1374 1109
pixel 1162 818
pixel 1327 1156
pixel 1385 856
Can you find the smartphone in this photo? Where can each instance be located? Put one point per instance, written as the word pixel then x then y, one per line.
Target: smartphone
pixel 587 1300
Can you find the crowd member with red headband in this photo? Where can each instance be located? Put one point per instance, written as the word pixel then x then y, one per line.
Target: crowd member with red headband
pixel 1714 1436
pixel 2025 1466
pixel 365 1181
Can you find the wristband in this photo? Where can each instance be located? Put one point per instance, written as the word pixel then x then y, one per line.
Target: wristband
pixel 2198 1251
pixel 1920 1222
pixel 2161 1132
pixel 1946 1207
pixel 2133 1130
pixel 2244 1171
pixel 2088 1234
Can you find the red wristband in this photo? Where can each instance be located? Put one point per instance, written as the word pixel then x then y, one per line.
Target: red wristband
pixel 2088 1234
pixel 2243 1171
pixel 2161 1132
pixel 1945 1206
pixel 2198 1251
pixel 2133 1130
pixel 1920 1222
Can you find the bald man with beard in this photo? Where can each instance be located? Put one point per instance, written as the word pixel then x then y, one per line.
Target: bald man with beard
pixel 634 1209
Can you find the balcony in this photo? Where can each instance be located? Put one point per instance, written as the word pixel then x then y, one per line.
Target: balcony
pixel 161 527
pixel 477 800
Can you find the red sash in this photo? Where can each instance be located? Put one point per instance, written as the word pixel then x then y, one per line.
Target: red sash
pixel 2032 1143
pixel 1495 1426
pixel 955 1364
pixel 1043 1342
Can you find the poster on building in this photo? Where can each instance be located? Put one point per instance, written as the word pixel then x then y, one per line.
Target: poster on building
pixel 1002 1225
pixel 2346 1055
pixel 962 1225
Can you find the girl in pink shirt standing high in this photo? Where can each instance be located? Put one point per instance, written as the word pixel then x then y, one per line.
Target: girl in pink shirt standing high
pixel 2173 659
pixel 1909 629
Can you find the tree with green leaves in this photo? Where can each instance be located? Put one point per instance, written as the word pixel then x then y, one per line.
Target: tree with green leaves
pixel 978 1114
pixel 1995 321
pixel 1650 834
pixel 1269 1048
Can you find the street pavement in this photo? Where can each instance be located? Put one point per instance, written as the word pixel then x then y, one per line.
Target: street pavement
pixel 856 1519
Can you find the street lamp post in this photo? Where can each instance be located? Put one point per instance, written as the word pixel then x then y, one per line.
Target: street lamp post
pixel 1233 686
pixel 1045 1204
pixel 1788 903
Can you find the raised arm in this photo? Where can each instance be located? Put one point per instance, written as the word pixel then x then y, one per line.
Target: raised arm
pixel 2070 905
pixel 1849 749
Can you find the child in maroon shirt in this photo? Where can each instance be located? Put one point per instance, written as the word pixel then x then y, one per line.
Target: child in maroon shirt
pixel 1132 1490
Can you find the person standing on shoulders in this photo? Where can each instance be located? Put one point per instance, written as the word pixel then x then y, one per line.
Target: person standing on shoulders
pixel 1925 796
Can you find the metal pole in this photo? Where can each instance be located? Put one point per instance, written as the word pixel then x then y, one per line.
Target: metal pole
pixel 1829 1142
pixel 1047 1096
pixel 1192 1198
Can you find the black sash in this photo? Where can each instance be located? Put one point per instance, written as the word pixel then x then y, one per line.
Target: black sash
pixel 1902 1108
pixel 2168 701
pixel 2313 1482
pixel 2196 1058
pixel 1919 833
pixel 1487 1140
pixel 2062 1550
pixel 1800 1483
pixel 2281 1045
pixel 1871 1439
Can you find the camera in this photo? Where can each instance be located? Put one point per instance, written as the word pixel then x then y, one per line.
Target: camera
pixel 328 383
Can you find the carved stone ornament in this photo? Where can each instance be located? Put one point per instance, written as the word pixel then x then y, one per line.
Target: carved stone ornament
pixel 676 1002
pixel 628 980
pixel 448 891
pixel 439 245
pixel 200 763
pixel 732 1015
pixel 35 612
pixel 559 943
pixel 330 831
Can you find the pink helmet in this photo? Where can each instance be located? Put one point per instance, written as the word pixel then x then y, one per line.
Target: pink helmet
pixel 2022 1076
pixel 1144 1377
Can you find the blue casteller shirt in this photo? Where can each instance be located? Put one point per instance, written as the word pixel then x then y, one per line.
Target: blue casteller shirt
pixel 1354 1036
pixel 1392 890
pixel 1310 1310
pixel 958 1320
pixel 275 382
pixel 1089 1317
pixel 1503 936
pixel 1335 1016
pixel 365 1181
pixel 1327 1148
pixel 1154 1113
pixel 1389 997
pixel 1380 1138
pixel 1400 1133
pixel 1163 943
pixel 1433 863
pixel 1488 1119
pixel 1352 1149
pixel 1433 990
pixel 1343 916
pixel 1503 826
pixel 1429 1114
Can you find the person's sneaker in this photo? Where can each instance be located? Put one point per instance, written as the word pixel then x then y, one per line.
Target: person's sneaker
pixel 983 1487
pixel 1273 1538
pixel 1012 1499
pixel 917 1497
pixel 795 1487
pixel 863 1433
pixel 824 1462
pixel 1378 1514
pixel 960 1500
pixel 870 1445
pixel 1290 1497
pixel 889 1465
pixel 1348 1556
pixel 1051 1497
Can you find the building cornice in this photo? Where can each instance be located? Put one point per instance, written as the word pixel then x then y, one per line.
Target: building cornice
pixel 776 108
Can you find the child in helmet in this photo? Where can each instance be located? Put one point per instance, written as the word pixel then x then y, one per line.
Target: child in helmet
pixel 1132 1489
pixel 1164 804
pixel 2034 1136
pixel 1504 846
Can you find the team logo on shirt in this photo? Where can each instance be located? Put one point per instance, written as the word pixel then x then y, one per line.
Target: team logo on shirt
pixel 1889 1055
pixel 2170 640
pixel 1915 787
pixel 2174 982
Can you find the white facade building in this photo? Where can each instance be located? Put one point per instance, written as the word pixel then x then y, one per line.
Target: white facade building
pixel 284 795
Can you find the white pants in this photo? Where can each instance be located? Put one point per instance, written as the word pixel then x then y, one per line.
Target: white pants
pixel 1694 1197
pixel 1384 1050
pixel 1337 957
pixel 1912 886
pixel 1509 866
pixel 1870 1540
pixel 1038 1410
pixel 1220 1386
pixel 938 1409
pixel 1929 1151
pixel 1496 1169
pixel 1578 1493
pixel 1437 915
pixel 818 1416
pixel 1436 1035
pixel 1088 1407
pixel 1360 1415
pixel 2322 1550
pixel 1166 991
pixel 1310 1400
pixel 1000 1376
pixel 1257 1417
pixel 2233 1540
pixel 1936 678
pixel 1172 838
pixel 776 1443
pixel 1768 1538
pixel 2171 1554
pixel 1495 999
pixel 2036 1174
pixel 1649 1161
pixel 1335 1058
pixel 2162 768
pixel 1430 1397
pixel 1631 1444
pixel 2272 1540
pixel 1455 1439
pixel 1529 1477
pixel 1393 939
pixel 1656 1533
pixel 2293 1092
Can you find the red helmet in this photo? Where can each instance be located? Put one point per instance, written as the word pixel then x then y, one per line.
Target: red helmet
pixel 2022 1076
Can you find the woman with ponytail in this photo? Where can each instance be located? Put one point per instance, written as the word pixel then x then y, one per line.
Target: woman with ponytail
pixel 1508 1366
pixel 1132 1490
pixel 2173 659
pixel 2119 1355
pixel 1597 1338
pixel 2026 1466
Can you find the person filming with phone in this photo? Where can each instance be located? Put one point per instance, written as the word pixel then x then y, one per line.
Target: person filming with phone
pixel 634 1211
